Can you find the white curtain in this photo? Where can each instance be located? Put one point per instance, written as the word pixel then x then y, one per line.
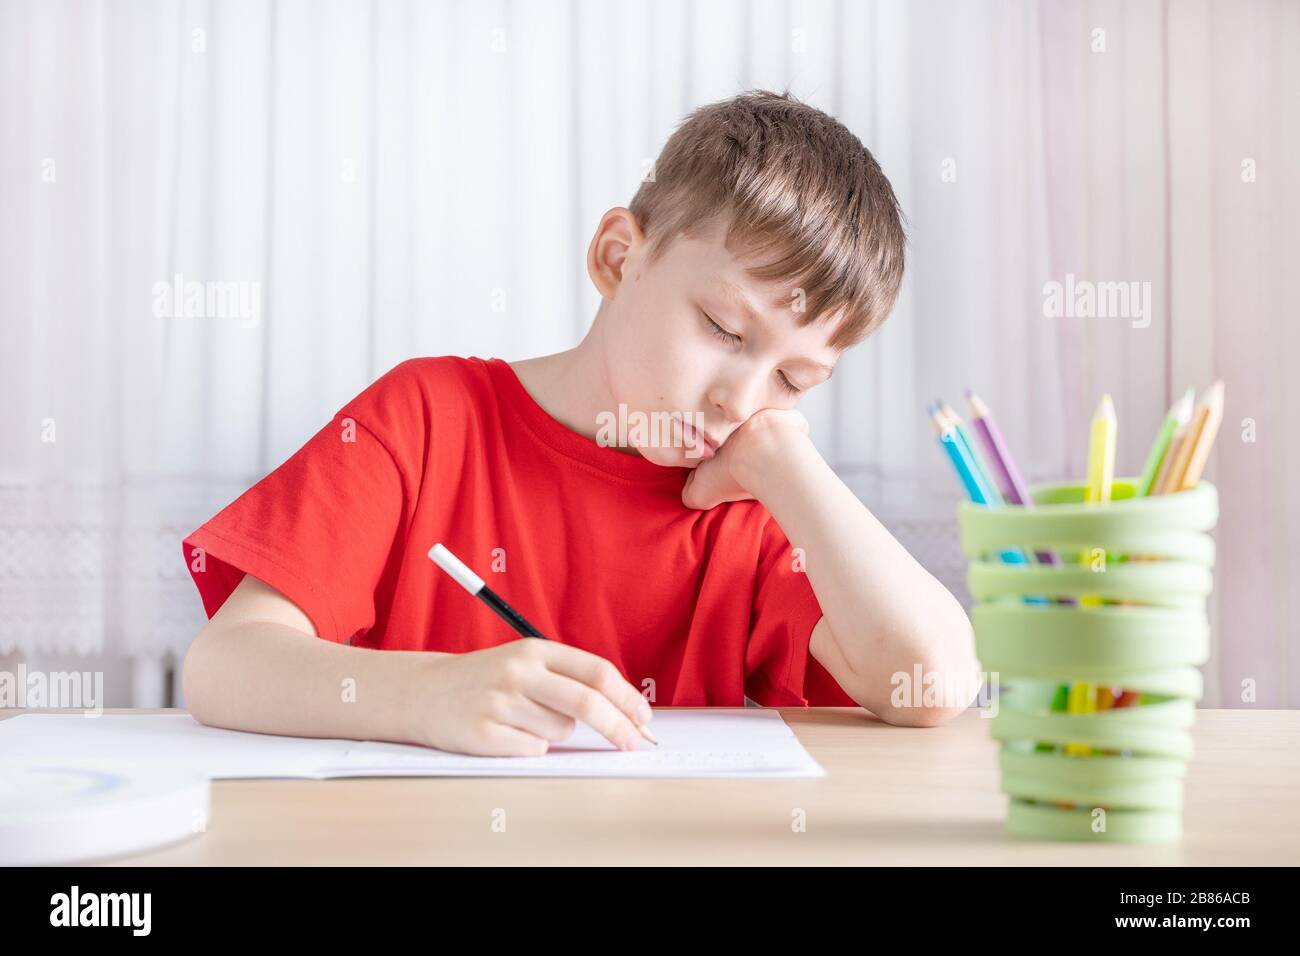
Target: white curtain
pixel 387 179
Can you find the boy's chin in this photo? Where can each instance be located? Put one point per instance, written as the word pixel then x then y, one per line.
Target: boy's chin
pixel 672 457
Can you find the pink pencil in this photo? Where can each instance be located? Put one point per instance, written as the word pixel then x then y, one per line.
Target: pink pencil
pixel 1008 477
pixel 1013 486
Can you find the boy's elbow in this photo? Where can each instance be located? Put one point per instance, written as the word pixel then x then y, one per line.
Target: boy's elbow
pixel 193 674
pixel 952 672
pixel 923 716
pixel 947 687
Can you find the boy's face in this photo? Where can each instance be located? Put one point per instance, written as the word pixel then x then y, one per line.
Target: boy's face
pixel 676 342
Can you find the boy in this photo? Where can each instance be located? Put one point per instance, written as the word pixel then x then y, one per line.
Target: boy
pixel 662 565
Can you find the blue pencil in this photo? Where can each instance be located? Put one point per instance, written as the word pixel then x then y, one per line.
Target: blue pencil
pixel 972 477
pixel 962 462
pixel 992 494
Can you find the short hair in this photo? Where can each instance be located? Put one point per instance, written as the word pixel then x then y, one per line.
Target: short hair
pixel 796 190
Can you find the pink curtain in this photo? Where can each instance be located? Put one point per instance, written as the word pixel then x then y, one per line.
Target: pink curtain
pixel 1172 144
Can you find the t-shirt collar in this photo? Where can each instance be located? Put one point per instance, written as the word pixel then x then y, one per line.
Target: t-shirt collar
pixel 566 441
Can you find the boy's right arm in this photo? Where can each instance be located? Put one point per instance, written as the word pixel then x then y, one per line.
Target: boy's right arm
pixel 259 665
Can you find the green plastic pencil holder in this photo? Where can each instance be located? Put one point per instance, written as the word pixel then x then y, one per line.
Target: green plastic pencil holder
pixel 1150 638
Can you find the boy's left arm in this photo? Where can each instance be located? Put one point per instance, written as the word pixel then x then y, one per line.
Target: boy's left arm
pixel 883 614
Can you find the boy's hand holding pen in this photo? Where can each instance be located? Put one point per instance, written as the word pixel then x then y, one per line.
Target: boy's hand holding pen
pixel 516 698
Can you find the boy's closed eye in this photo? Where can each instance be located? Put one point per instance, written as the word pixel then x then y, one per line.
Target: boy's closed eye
pixel 731 338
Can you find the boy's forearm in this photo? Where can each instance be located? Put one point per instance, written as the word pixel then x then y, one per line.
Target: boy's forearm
pixel 886 612
pixel 271 678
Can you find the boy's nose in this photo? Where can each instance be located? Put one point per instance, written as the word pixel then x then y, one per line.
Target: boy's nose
pixel 734 404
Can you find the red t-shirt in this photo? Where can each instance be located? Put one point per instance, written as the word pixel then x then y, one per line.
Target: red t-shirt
pixel 592 545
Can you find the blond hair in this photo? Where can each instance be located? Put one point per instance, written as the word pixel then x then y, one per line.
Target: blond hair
pixel 786 179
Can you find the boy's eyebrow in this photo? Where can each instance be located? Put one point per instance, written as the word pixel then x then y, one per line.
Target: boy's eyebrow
pixel 742 302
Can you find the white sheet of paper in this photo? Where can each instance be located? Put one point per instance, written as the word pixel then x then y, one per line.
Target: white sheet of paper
pixel 718 742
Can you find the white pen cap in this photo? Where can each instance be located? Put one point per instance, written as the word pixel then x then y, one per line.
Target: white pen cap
pixel 466 578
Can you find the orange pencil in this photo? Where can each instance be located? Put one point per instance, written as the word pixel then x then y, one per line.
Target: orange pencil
pixel 1208 417
pixel 1171 466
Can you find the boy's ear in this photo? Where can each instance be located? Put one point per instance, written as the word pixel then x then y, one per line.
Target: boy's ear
pixel 618 238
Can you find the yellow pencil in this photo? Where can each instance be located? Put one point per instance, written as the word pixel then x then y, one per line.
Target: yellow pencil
pixel 1082 699
pixel 1101 466
pixel 1101 452
pixel 1208 417
pixel 1101 473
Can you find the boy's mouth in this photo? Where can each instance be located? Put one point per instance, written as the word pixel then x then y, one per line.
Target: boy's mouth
pixel 699 441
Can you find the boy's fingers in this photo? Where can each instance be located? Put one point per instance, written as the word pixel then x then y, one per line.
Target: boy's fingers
pixel 706 487
pixel 698 492
pixel 528 715
pixel 599 673
pixel 501 740
pixel 583 702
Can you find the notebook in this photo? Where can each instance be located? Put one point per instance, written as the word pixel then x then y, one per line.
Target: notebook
pixel 715 742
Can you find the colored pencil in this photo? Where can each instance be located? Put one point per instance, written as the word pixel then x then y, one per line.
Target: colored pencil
pixel 1101 473
pixel 986 474
pixel 972 476
pixel 1179 414
pixel 1208 417
pixel 999 455
pixel 1014 489
pixel 959 453
pixel 1175 462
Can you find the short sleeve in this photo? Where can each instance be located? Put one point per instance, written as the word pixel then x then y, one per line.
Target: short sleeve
pixel 779 669
pixel 321 529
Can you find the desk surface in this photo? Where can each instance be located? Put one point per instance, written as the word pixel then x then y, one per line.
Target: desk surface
pixel 892 796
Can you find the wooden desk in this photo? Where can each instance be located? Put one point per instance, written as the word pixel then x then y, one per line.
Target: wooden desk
pixel 892 796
